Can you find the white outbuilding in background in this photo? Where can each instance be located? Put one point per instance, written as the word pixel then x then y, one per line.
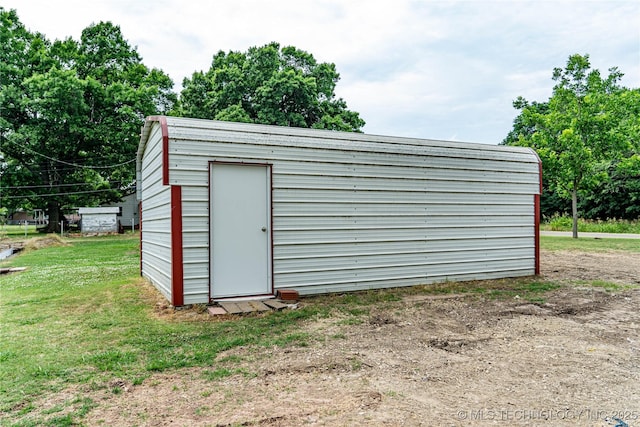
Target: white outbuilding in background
pixel 232 210
pixel 99 220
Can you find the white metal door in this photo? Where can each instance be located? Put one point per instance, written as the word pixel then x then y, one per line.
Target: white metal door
pixel 240 235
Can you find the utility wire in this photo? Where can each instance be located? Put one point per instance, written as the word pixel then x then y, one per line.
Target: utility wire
pixel 58 194
pixel 73 164
pixel 41 168
pixel 82 166
pixel 22 187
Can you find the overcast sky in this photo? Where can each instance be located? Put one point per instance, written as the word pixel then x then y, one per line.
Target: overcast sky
pixel 430 69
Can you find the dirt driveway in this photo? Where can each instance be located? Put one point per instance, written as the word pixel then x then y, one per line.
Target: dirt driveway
pixel 429 360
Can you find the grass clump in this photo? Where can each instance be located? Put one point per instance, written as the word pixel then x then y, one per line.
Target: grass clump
pixel 35 243
pixel 609 286
pixel 529 289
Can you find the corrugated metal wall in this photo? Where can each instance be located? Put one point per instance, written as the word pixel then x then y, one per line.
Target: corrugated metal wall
pixel 99 223
pixel 156 217
pixel 353 211
pixel 195 242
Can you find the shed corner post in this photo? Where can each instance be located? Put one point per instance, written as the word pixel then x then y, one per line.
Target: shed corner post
pixel 537 232
pixel 537 213
pixel 177 268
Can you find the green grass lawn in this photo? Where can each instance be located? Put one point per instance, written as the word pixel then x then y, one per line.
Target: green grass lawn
pixel 81 315
pixel 589 244
pixel 17 231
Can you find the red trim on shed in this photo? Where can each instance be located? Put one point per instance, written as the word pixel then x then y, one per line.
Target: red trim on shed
pixel 536 212
pixel 164 128
pixel 140 227
pixel 536 202
pixel 177 270
pixel 165 149
pixel 273 284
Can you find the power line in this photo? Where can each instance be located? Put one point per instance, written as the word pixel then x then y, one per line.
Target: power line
pixel 59 194
pixel 22 187
pixel 40 168
pixel 72 164
pixel 81 166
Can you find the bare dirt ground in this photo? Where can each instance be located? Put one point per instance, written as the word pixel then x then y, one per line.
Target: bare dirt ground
pixel 432 360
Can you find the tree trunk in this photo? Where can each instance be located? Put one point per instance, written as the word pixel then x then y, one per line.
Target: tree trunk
pixel 53 210
pixel 574 210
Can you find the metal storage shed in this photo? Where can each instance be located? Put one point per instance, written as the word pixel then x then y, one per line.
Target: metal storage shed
pixel 99 220
pixel 231 210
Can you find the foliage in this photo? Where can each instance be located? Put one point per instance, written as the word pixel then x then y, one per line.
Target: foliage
pixel 587 135
pixel 564 223
pixel 558 223
pixel 71 115
pixel 71 110
pixel 269 85
pixel 618 196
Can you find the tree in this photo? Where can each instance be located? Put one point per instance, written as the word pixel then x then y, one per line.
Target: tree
pixel 71 123
pixel 551 202
pixel 269 85
pixel 619 195
pixel 580 129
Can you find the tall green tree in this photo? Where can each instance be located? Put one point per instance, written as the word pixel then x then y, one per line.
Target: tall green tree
pixel 22 54
pixel 269 85
pixel 579 131
pixel 72 112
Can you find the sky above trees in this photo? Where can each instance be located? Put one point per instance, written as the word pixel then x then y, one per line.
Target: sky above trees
pixel 433 69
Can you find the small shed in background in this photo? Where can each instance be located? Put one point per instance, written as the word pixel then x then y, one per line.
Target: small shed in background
pixel 232 210
pixel 99 220
pixel 128 211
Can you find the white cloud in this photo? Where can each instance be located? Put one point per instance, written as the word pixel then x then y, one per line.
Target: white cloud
pixel 434 69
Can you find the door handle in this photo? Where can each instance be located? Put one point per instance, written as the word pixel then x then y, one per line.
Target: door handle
pixel 264 228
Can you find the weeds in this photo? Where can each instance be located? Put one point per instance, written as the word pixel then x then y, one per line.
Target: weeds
pixel 565 223
pixel 608 286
